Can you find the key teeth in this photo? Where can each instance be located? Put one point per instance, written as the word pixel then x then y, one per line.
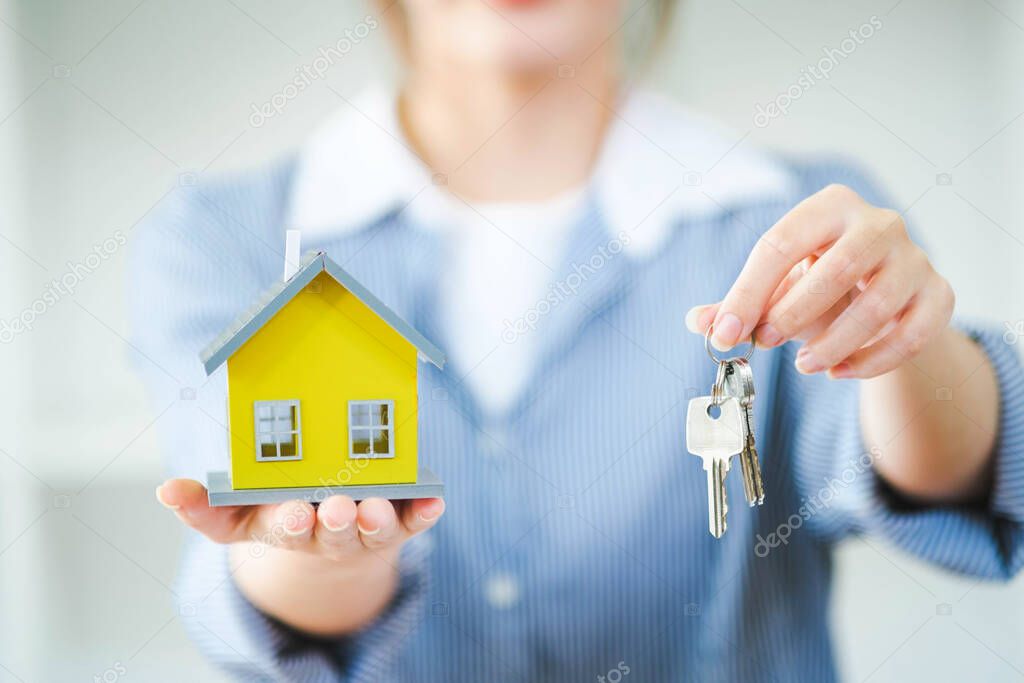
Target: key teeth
pixel 758 480
pixel 752 480
pixel 750 475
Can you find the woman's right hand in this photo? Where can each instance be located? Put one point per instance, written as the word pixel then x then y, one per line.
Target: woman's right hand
pixel 326 571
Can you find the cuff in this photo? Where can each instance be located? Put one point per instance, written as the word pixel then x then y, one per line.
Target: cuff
pixel 1003 349
pixel 250 645
pixel 984 540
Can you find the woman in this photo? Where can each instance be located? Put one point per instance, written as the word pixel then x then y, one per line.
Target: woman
pixel 476 201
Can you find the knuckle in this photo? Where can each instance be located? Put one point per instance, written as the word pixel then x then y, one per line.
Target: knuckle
pixel 787 322
pixel 828 352
pixel 911 342
pixel 948 298
pixel 739 297
pixel 878 306
pixel 842 261
pixel 339 548
pixel 872 369
pixel 843 270
pixel 918 260
pixel 288 542
pixel 891 223
pixel 772 243
pixel 838 192
pixel 378 541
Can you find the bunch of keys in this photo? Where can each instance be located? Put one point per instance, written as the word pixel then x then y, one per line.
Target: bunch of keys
pixel 721 426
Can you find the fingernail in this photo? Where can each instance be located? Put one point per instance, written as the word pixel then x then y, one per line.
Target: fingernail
pixel 767 336
pixel 806 363
pixel 842 371
pixel 333 526
pixel 727 332
pixel 294 525
pixel 427 519
pixel 692 319
pixel 367 532
pixel 160 499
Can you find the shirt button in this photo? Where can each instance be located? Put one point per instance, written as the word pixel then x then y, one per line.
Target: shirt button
pixel 502 591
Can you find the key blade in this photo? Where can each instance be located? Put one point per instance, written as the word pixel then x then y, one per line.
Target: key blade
pixel 718 506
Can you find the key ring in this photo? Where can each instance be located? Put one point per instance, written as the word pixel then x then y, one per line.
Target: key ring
pixel 707 346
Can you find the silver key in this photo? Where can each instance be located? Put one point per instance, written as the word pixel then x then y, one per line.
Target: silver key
pixel 715 440
pixel 739 383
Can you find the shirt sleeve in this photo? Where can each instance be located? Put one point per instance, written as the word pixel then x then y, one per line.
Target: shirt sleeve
pixel 190 276
pixel 818 428
pixel 840 492
pixel 248 644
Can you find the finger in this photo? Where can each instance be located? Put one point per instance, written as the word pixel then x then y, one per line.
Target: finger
pixel 699 318
pixel 886 296
pixel 811 225
pixel 765 334
pixel 190 502
pixel 336 533
pixel 377 522
pixel 852 258
pixel 287 525
pixel 824 321
pixel 926 317
pixel 420 515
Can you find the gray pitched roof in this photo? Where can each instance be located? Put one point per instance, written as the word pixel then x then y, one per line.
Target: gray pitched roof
pixel 275 298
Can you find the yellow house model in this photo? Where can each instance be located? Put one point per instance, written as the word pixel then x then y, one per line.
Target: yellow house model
pixel 322 396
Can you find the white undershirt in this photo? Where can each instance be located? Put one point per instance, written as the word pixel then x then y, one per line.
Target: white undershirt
pixel 499 263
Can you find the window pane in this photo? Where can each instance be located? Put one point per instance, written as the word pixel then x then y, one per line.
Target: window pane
pixel 359 414
pixel 264 426
pixel 288 443
pixel 267 447
pixel 264 411
pixel 381 442
pixel 360 442
pixel 380 414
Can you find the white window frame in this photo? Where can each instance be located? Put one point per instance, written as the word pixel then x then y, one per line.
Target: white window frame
pixel 275 406
pixel 390 428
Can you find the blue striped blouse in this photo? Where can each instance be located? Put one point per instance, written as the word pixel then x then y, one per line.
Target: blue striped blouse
pixel 575 545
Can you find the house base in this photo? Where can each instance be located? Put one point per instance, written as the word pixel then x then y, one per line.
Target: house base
pixel 427 485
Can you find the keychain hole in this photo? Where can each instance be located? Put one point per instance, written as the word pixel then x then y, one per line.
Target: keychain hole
pixel 714 411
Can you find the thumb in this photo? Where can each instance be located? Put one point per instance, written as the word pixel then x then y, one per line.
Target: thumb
pixel 699 318
pixel 188 500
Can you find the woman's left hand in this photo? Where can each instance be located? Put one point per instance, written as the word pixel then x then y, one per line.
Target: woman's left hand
pixel 843 276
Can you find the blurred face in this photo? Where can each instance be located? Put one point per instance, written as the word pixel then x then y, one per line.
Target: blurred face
pixel 517 35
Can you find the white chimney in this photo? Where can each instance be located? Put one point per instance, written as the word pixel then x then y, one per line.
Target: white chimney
pixel 292 253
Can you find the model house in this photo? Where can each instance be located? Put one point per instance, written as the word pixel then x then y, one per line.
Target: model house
pixel 322 388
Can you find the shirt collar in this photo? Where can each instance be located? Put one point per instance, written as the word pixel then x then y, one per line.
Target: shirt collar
pixel 660 163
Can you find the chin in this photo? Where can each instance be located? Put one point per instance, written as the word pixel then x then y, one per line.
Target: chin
pixel 525 35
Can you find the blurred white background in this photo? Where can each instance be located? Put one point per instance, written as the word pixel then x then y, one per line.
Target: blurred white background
pixel 106 106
